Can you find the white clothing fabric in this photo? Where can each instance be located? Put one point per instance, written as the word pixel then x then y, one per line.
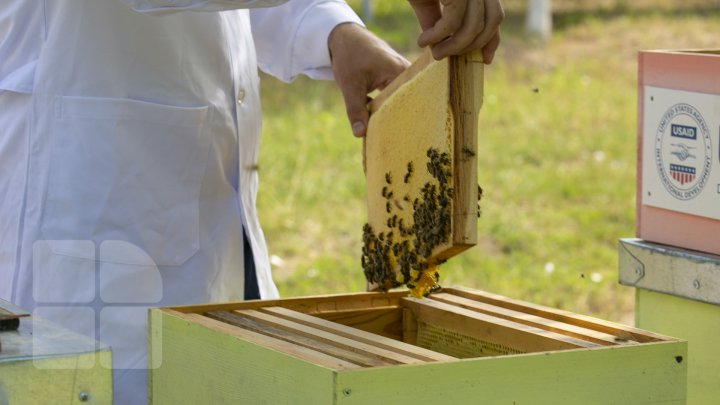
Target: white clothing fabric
pixel 128 151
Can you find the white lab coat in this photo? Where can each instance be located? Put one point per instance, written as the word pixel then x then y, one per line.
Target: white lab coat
pixel 128 178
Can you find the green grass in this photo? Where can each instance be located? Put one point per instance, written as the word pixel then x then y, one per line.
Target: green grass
pixel 557 148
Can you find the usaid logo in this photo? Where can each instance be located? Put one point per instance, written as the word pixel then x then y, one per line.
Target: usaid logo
pixel 683 131
pixel 683 151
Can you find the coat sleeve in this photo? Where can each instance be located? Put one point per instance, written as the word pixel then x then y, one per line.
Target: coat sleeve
pixel 168 6
pixel 292 39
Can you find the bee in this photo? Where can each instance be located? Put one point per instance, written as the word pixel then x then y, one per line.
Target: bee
pixel 433 289
pixel 384 191
pixel 468 152
pixel 388 178
pixel 410 170
pixel 388 207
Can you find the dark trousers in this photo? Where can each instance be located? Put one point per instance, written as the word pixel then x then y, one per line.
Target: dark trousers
pixel 252 291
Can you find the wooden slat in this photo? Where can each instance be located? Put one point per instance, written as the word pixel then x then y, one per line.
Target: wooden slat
pixel 491 329
pixel 616 329
pixel 418 65
pixel 383 321
pixel 410 327
pixel 10 311
pixel 529 319
pixel 331 338
pixel 466 98
pixel 295 338
pixel 309 304
pixel 300 352
pixel 358 335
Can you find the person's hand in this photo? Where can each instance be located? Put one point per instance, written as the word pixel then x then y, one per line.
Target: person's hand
pixel 361 63
pixel 460 26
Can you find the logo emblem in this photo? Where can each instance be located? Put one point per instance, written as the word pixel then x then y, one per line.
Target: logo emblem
pixel 683 151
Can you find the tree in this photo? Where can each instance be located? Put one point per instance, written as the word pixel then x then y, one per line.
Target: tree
pixel 538 22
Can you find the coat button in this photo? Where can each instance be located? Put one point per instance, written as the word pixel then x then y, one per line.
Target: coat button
pixel 240 96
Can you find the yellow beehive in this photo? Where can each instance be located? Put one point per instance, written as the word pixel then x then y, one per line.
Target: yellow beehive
pixel 42 363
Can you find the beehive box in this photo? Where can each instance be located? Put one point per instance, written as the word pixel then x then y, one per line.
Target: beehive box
pixel 457 346
pixel 678 157
pixel 43 363
pixel 678 293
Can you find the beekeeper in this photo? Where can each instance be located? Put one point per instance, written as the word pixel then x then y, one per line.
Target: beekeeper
pixel 129 144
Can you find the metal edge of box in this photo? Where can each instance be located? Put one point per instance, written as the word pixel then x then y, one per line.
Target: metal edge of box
pixel 670 270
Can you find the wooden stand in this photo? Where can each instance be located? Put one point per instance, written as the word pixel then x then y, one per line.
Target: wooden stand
pixel 389 348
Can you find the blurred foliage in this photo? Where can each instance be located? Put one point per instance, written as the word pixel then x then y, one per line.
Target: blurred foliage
pixel 557 158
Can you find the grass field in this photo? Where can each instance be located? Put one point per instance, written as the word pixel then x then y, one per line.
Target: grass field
pixel 557 158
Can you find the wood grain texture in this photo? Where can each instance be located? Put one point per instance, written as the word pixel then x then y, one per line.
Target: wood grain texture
pixel 531 320
pixel 358 335
pixel 522 338
pixel 297 338
pixel 384 321
pixel 620 331
pixel 333 338
pixel 310 304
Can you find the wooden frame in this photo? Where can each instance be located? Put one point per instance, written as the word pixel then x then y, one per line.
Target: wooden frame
pixel 447 94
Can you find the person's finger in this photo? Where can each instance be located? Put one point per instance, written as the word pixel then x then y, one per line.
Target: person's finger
pixel 451 20
pixel 355 95
pixel 472 24
pixel 494 16
pixel 490 48
pixel 427 12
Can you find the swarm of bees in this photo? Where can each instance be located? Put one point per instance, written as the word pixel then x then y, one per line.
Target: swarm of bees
pixel 407 247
